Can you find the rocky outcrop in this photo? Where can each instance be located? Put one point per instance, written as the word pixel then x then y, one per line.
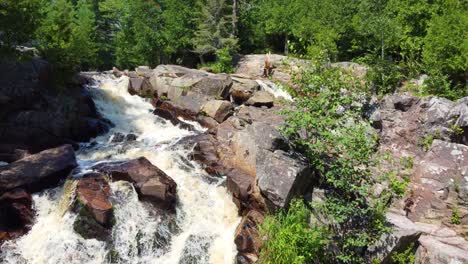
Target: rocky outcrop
pixel 35 116
pixel 428 132
pixel 93 207
pixel 36 172
pixel 285 67
pixel 261 98
pixel 16 214
pixel 174 81
pixel 219 110
pixel 151 183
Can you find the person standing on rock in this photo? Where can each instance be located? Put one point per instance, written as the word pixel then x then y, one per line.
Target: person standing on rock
pixel 268 67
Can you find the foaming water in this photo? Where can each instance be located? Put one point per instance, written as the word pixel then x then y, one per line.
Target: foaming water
pixel 275 90
pixel 201 231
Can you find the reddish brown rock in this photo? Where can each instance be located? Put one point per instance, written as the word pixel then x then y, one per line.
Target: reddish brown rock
pixel 247 237
pixel 93 191
pixel 151 183
pixel 16 214
pixel 39 171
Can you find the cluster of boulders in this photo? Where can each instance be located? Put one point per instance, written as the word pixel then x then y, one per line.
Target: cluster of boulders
pixel 431 135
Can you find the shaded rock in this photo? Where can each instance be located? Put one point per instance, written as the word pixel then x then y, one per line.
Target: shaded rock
pixel 218 109
pixel 93 192
pixel 16 214
pixel 205 153
pixel 151 183
pixel 29 102
pixel 404 102
pixel 10 153
pixel 131 137
pixel 141 86
pixel 38 171
pixel 207 122
pixel 242 88
pixel 171 117
pixel 87 226
pixel 247 236
pixel 196 249
pixel 261 98
pixel 117 138
pixel 282 176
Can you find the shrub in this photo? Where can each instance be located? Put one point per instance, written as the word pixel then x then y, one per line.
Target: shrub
pixel 341 148
pixel 290 238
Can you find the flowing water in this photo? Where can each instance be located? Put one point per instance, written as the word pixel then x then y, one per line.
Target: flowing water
pixel 202 230
pixel 276 90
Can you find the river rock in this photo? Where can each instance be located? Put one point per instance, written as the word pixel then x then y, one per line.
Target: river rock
pixel 242 88
pixel 94 210
pixel 16 214
pixel 141 86
pixel 285 67
pixel 93 192
pixel 36 172
pixel 174 81
pixel 251 143
pixel 171 117
pixel 247 237
pixel 218 109
pixel 151 183
pixel 261 98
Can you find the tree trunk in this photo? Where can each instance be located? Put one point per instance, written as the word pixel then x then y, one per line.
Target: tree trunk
pixel 234 18
pixel 202 61
pixel 286 44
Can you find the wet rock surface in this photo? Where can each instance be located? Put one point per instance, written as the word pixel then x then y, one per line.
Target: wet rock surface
pixel 36 172
pixel 16 214
pixel 151 183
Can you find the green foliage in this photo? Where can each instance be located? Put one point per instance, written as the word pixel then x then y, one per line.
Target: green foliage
pixel 290 238
pixel 66 35
pixel 341 147
pixel 426 142
pixel 456 218
pixel 223 64
pixel 213 30
pixel 446 45
pixel 407 162
pixel 405 257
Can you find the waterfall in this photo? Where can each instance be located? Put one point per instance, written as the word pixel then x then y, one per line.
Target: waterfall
pixel 201 231
pixel 276 90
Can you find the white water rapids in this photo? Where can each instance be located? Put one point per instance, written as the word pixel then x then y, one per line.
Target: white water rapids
pixel 205 219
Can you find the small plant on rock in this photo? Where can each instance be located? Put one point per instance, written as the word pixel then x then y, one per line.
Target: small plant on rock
pixel 456 219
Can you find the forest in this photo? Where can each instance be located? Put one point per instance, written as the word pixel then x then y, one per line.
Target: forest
pixel 363 141
pixel 397 39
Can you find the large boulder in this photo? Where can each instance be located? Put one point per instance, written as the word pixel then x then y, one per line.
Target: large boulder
pixel 251 143
pixel 261 98
pixel 219 110
pixel 16 214
pixel 151 183
pixel 285 67
pixel 93 192
pixel 93 207
pixel 431 243
pixel 242 88
pixel 38 171
pixel 174 81
pixel 37 116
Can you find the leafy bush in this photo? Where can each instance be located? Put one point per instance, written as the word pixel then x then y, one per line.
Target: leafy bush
pixel 405 257
pixel 456 218
pixel 341 147
pixel 290 238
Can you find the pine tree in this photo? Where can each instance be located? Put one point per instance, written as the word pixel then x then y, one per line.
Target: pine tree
pixel 213 28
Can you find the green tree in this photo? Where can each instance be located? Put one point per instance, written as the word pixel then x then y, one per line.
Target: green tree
pixel 18 21
pixel 66 35
pixel 445 50
pixel 213 28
